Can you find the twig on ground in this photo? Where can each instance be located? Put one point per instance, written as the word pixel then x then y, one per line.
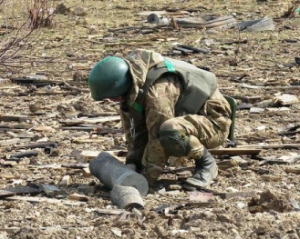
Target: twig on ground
pixel 74 87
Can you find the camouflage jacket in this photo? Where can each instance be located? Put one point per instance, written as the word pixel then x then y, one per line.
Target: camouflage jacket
pixel 141 130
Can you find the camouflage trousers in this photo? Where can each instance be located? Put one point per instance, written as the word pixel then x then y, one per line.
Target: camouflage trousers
pixel 202 131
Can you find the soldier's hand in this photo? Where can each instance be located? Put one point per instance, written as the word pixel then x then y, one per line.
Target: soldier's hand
pixel 135 157
pixel 151 174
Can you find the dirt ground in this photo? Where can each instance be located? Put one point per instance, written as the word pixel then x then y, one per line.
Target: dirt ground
pixel 256 68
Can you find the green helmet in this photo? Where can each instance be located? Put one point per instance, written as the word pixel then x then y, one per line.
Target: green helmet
pixel 110 78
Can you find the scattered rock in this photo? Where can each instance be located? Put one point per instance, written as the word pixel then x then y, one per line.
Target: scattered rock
pixel 269 200
pixel 81 76
pixel 161 232
pixel 226 164
pixel 62 9
pixel 79 11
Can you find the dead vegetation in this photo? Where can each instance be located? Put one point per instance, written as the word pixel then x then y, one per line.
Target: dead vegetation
pixel 17 27
pixel 50 128
pixel 41 13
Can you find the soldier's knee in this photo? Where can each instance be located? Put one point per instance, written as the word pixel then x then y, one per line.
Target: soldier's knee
pixel 175 142
pixel 168 124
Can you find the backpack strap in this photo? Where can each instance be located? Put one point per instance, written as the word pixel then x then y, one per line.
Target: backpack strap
pixel 152 75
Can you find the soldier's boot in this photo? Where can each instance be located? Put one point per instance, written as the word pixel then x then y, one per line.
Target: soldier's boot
pixel 206 170
pixel 178 143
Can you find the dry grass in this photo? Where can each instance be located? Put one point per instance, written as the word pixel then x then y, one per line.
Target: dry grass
pixel 72 45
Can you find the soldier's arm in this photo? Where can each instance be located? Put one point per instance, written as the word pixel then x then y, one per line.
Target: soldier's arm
pixel 159 106
pixel 126 126
pixel 136 139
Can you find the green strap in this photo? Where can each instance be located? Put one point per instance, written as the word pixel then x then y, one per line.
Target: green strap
pixel 169 66
pixel 137 107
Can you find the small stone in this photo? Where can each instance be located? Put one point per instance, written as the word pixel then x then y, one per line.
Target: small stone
pixel 116 231
pixel 174 187
pixel 86 190
pixel 161 232
pixel 62 9
pixel 241 205
pixel 79 11
pixel 161 191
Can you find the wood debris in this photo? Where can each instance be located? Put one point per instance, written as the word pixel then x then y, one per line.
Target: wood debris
pixel 41 199
pixel 78 197
pixel 294 170
pixel 50 190
pixel 9 118
pixel 7 192
pixel 230 195
pixel 286 99
pixel 65 180
pixel 51 128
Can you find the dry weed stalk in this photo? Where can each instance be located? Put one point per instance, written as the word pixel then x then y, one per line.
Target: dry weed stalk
pixel 41 13
pixel 14 31
pixel 16 27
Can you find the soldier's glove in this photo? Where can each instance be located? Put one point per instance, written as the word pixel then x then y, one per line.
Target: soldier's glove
pixel 151 173
pixel 135 157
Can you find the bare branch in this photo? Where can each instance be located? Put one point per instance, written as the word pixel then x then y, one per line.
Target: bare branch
pixel 41 13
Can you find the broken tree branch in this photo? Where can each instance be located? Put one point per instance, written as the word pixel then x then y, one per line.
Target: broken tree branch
pixel 271 146
pixel 74 87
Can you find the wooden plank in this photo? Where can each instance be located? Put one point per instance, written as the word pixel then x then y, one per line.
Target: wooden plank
pixel 71 122
pixel 8 176
pixel 102 119
pixel 15 126
pixel 110 211
pixel 175 207
pixel 235 151
pixel 42 199
pixel 47 166
pixel 21 135
pixel 95 120
pixel 8 142
pixel 9 230
pixel 163 13
pixel 37 80
pixel 38 145
pixel 7 192
pixel 8 163
pixel 9 118
pixel 80 128
pixel 50 190
pixel 270 146
pixel 79 197
pixel 83 140
pixel 75 166
pixel 89 154
pixel 295 170
pixel 27 154
pixel 230 195
pixel 89 128
pixel 294 87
